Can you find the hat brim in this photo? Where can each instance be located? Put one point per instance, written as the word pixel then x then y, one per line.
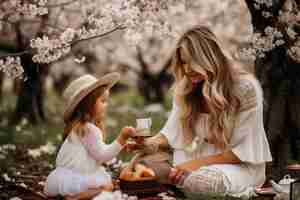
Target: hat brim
pixel 108 81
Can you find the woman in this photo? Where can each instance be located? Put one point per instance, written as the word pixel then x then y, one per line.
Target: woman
pixel 216 124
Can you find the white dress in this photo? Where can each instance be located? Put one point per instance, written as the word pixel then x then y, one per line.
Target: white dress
pixel 248 142
pixel 79 163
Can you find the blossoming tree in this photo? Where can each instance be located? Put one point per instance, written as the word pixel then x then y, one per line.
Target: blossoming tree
pixel 276 47
pixel 40 33
pixel 44 32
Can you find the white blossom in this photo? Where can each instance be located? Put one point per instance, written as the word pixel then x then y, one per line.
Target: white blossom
pixel 291 33
pixel 264 43
pixel 294 51
pixel 166 196
pixel 23 185
pixel 32 10
pixel 42 183
pixel 266 14
pixel 15 198
pixel 116 195
pixel 11 66
pixel 5 147
pixel 67 36
pixel 247 54
pixel 257 6
pixel 6 177
pixel 279 42
pixel 49 50
pixel 267 3
pixel 80 60
pixel 48 148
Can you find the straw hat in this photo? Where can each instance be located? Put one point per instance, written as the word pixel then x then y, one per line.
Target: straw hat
pixel 84 85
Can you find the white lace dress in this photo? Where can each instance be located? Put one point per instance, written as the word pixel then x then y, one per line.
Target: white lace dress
pixel 79 163
pixel 248 142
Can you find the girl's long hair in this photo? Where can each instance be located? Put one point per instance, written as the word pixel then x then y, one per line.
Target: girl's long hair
pixel 216 91
pixel 85 112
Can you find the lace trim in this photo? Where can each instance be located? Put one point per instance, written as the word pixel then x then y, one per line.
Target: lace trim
pixel 206 181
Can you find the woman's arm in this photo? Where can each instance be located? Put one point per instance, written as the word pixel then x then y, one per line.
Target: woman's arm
pixel 155 142
pixel 228 157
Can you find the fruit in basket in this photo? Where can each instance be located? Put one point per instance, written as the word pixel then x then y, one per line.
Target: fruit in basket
pixel 143 171
pixel 126 174
pixel 139 172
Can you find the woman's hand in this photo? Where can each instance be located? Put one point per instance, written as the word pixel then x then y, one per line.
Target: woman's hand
pixel 152 144
pixel 126 133
pixel 177 176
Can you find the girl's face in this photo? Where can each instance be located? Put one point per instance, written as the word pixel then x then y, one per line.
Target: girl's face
pixel 101 104
pixel 187 65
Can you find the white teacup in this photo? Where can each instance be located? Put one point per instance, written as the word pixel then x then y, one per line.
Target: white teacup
pixel 143 126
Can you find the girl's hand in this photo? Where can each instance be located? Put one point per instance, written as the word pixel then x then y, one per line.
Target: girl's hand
pixel 126 133
pixel 177 176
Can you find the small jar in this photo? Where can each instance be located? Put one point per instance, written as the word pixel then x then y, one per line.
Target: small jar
pixel 285 183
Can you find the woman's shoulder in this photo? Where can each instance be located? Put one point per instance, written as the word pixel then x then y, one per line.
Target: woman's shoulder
pixel 247 85
pixel 248 90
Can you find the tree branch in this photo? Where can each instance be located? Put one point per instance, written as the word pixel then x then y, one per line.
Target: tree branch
pixel 61 4
pixel 28 51
pixel 32 21
pixel 15 54
pixel 120 27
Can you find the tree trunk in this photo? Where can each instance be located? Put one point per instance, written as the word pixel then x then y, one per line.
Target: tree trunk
pixel 1 85
pixel 279 78
pixel 31 91
pixel 31 94
pixel 151 86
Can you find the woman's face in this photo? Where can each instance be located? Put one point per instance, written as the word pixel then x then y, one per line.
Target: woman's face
pixel 187 65
pixel 101 104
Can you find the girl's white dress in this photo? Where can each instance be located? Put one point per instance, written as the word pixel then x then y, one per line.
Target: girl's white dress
pixel 248 142
pixel 79 163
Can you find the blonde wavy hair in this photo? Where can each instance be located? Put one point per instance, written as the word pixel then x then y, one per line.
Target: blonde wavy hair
pixel 216 90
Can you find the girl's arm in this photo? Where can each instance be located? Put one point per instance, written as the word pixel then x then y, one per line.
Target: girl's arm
pixel 100 151
pixel 228 157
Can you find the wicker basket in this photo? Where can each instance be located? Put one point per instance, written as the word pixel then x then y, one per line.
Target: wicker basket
pixel 142 188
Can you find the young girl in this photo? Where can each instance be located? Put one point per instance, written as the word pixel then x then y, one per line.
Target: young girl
pixel 216 124
pixel 79 172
